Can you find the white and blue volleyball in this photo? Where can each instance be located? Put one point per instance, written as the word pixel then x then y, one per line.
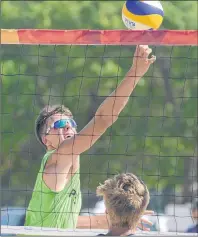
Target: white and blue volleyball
pixel 142 15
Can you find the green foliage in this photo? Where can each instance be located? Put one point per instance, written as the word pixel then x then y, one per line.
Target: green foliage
pixel 154 134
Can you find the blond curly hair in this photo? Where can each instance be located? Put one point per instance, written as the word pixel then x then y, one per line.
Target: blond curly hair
pixel 126 198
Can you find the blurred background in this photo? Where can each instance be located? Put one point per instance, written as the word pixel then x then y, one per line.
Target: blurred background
pixel 156 134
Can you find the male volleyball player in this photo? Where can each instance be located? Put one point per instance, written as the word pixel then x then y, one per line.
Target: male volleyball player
pixel 56 198
pixel 126 198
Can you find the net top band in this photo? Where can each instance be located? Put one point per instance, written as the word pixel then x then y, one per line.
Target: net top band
pixel 98 37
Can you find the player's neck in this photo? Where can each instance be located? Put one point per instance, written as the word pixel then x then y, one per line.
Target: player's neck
pixel 119 231
pixel 50 148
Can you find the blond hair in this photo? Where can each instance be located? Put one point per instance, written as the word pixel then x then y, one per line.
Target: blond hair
pixel 126 198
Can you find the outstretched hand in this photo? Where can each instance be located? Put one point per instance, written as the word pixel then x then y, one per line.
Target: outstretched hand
pixel 141 60
pixel 144 221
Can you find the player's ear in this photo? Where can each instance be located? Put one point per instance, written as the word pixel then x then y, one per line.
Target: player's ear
pixel 44 140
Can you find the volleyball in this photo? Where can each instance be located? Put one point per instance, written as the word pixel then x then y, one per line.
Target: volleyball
pixel 142 15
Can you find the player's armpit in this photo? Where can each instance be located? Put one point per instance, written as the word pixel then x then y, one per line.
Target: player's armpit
pixel 85 138
pixel 55 176
pixel 94 222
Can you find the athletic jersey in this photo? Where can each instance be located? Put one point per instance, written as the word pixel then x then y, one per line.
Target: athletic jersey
pixel 54 209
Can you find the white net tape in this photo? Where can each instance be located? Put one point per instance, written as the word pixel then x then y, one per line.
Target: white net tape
pixel 35 231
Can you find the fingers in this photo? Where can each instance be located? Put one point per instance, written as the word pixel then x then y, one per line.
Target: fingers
pixel 149 212
pixel 147 52
pixel 152 59
pixel 142 227
pixel 145 221
pixel 143 51
pixel 138 51
pixel 145 228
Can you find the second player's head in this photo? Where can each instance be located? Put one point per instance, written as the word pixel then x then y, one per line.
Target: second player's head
pixel 126 198
pixel 53 125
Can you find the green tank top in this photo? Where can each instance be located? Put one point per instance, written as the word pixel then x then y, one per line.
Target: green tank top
pixel 54 209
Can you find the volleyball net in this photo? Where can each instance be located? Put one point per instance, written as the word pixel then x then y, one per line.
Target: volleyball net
pixel 155 136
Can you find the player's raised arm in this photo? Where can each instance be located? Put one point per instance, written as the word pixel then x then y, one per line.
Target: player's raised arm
pixel 115 102
pixel 109 110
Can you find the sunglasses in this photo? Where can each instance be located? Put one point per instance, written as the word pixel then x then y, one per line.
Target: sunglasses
pixel 62 123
